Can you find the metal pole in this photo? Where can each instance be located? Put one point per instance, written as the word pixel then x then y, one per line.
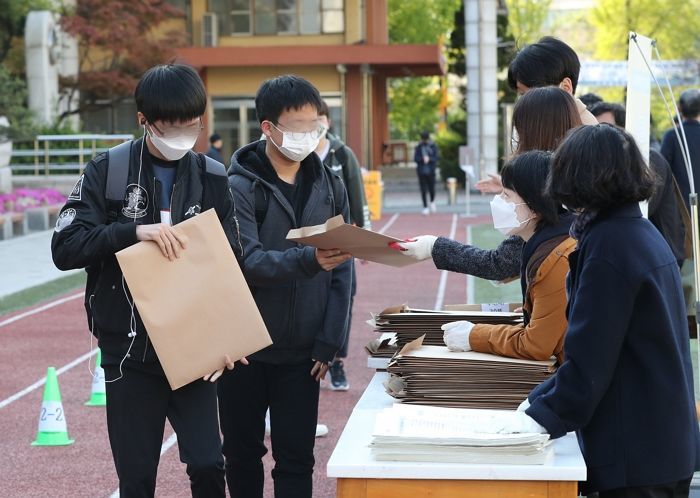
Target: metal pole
pixel 696 260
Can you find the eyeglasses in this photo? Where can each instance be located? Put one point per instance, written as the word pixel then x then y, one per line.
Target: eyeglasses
pixel 172 131
pixel 317 132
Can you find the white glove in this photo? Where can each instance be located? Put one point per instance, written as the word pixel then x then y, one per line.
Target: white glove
pixel 523 406
pixel 523 423
pixel 419 248
pixel 456 335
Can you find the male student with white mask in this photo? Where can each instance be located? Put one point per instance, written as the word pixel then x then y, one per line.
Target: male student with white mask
pixel 303 293
pixel 160 182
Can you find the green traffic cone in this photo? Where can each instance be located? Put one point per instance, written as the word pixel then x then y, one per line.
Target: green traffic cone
pixel 98 397
pixel 52 420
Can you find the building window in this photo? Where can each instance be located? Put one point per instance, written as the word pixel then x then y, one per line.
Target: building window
pixel 278 17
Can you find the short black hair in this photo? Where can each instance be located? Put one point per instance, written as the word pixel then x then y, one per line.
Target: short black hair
pixel 689 103
pixel 425 135
pixel 590 98
pixel 526 174
pixel 282 93
pixel 618 111
pixel 544 63
pixel 214 138
pixel 171 93
pixel 324 111
pixel 599 167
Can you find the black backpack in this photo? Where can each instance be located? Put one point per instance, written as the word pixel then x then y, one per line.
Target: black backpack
pixel 118 159
pixel 262 200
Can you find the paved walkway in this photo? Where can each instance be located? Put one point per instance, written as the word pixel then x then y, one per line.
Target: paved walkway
pixel 26 262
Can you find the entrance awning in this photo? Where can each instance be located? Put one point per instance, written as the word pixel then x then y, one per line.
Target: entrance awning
pixel 390 60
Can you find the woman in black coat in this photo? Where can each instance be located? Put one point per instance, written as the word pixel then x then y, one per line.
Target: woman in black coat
pixel 626 384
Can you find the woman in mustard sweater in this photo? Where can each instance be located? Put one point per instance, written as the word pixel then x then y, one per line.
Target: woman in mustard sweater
pixel 522 209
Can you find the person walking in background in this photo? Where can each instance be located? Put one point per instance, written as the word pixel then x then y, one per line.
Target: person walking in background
pixel 426 155
pixel 689 107
pixel 215 145
pixel 342 160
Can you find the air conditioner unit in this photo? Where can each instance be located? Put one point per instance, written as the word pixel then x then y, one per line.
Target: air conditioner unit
pixel 210 30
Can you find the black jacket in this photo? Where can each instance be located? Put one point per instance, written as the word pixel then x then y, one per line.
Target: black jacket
pixel 85 238
pixel 341 159
pixel 304 308
pixel 431 150
pixel 626 385
pixel 664 209
pixel 672 152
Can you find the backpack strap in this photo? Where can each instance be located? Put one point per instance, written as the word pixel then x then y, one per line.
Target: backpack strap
pixel 262 201
pixel 118 159
pixel 337 187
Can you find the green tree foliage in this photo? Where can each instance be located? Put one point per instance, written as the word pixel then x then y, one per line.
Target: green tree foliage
pixel 13 14
pixel 674 24
pixel 13 104
pixel 414 106
pixel 415 101
pixel 420 21
pixel 526 18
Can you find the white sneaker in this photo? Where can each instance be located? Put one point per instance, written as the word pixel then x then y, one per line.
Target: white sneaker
pixel 426 211
pixel 433 207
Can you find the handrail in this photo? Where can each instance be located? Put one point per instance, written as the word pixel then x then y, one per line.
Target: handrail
pixel 46 153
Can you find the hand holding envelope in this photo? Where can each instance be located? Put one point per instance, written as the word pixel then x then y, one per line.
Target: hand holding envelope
pixel 197 308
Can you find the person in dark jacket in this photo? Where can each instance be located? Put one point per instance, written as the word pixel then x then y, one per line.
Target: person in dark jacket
pixel 303 293
pixel 215 145
pixel 426 156
pixel 664 208
pixel 689 107
pixel 626 385
pixel 166 184
pixel 342 160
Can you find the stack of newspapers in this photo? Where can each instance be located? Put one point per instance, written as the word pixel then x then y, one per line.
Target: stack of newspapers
pixel 453 435
pixel 408 324
pixel 434 375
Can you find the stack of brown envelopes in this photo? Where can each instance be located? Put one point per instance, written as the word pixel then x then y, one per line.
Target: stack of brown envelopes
pixel 409 324
pixel 434 375
pixel 382 347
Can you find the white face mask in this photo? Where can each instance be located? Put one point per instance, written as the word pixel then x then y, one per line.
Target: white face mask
pixel 175 148
pixel 296 149
pixel 505 219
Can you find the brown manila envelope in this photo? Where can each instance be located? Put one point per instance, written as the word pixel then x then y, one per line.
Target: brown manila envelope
pixel 197 308
pixel 361 243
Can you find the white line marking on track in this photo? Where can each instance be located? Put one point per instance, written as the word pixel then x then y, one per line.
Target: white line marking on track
pixel 440 299
pixel 42 381
pixel 45 307
pixel 389 223
pixel 169 443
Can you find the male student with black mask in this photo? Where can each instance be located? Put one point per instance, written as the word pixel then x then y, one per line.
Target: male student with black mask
pixel 163 183
pixel 303 293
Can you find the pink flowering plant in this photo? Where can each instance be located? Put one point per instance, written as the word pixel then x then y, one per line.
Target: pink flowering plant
pixel 21 199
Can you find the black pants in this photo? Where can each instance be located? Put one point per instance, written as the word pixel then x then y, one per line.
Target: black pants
pixel 137 406
pixel 679 489
pixel 343 351
pixel 427 184
pixel 291 393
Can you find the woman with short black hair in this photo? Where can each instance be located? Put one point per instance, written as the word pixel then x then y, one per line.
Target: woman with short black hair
pixel 524 210
pixel 626 384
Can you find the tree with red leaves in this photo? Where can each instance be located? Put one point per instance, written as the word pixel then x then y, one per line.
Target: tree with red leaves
pixel 117 43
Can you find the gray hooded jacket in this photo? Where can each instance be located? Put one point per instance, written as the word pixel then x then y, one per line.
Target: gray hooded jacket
pixel 304 308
